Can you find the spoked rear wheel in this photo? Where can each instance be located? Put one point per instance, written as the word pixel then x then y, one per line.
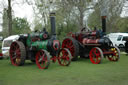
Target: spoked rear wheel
pixel 42 59
pixel 96 55
pixel 116 54
pixel 17 53
pixel 64 57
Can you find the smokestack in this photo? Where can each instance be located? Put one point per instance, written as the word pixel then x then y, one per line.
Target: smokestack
pixel 104 23
pixel 53 23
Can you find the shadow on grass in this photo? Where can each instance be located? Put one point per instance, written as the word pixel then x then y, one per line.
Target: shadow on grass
pixel 87 60
pixel 55 66
pixel 30 65
pixel 25 64
pixel 126 54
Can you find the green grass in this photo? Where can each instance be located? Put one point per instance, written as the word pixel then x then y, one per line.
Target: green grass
pixel 82 72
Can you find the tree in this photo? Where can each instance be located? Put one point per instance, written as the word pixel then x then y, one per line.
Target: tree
pixel 122 23
pixel 20 26
pixel 94 19
pixel 9 17
pixel 42 11
pixel 110 8
pixel 38 26
pixel 70 14
pixel 5 23
pixel 75 10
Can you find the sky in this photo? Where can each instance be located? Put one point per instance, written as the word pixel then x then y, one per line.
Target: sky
pixel 26 11
pixel 23 11
pixel 125 10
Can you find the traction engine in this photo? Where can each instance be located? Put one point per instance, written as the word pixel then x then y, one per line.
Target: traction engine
pixel 91 44
pixel 38 47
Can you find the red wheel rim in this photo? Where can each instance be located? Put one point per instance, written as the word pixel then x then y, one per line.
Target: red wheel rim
pixel 114 56
pixel 15 54
pixel 64 58
pixel 95 56
pixel 67 43
pixel 41 60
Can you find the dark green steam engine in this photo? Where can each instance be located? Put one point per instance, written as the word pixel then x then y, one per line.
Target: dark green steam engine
pixel 38 47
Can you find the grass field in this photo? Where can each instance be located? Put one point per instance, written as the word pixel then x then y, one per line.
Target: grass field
pixel 82 72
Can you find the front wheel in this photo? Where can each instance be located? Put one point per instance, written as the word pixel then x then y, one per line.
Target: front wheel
pixel 42 59
pixel 96 55
pixel 64 57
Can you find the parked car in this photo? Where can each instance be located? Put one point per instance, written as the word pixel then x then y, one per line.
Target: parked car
pixel 6 44
pixel 118 39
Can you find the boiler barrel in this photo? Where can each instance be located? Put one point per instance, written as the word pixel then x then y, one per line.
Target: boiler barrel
pixel 40 44
pixel 101 41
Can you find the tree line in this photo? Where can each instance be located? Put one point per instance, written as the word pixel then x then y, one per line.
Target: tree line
pixel 71 16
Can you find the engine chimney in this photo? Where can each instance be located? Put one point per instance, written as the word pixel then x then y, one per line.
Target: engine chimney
pixel 53 23
pixel 104 23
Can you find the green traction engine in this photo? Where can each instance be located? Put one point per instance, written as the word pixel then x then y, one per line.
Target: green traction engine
pixel 38 47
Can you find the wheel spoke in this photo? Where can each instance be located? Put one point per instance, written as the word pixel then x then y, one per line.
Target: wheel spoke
pixel 40 57
pixel 64 62
pixel 44 61
pixel 67 58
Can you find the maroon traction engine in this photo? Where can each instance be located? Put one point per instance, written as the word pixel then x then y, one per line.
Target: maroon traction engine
pixel 91 44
